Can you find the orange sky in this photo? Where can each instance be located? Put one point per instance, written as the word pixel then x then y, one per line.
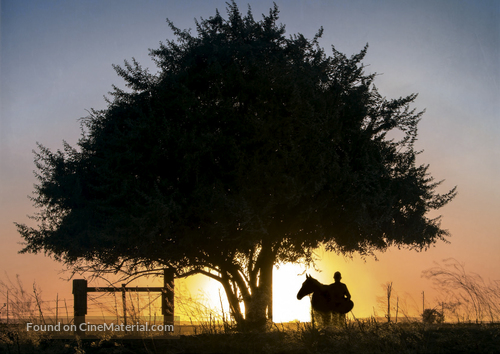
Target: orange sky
pixel 56 63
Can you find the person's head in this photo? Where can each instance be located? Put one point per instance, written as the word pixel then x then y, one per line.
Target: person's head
pixel 337 276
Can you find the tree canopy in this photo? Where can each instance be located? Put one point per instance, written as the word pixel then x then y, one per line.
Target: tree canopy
pixel 247 148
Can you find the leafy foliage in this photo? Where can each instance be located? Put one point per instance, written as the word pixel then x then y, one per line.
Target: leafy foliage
pixel 432 316
pixel 245 149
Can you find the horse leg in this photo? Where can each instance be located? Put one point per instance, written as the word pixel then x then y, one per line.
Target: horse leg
pixel 326 316
pixel 338 319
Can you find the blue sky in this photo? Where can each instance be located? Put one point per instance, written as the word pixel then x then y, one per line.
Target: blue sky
pixel 56 59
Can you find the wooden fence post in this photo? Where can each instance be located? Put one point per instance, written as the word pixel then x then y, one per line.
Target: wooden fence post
pixel 167 303
pixel 124 302
pixel 79 303
pixel 7 306
pixel 57 308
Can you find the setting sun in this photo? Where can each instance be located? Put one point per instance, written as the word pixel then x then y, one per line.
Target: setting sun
pixel 286 283
pixel 287 280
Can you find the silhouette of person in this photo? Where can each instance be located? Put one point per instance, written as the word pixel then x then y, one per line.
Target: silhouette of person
pixel 339 295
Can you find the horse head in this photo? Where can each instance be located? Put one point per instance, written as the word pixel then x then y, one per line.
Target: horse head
pixel 308 287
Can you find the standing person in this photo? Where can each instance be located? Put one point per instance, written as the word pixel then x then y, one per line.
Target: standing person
pixel 338 291
pixel 340 297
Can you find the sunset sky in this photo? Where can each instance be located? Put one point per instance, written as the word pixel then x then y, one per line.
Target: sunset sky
pixel 56 59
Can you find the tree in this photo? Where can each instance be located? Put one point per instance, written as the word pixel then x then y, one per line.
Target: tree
pixel 388 288
pixel 247 148
pixel 432 316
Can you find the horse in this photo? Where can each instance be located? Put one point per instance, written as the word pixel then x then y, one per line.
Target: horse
pixel 322 302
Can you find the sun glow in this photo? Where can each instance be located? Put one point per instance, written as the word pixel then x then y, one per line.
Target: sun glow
pixel 287 280
pixel 200 298
pixel 211 297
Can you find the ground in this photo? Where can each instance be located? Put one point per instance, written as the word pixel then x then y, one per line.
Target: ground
pixel 355 337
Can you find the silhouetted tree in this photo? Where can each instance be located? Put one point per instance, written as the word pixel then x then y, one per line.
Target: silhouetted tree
pixel 432 316
pixel 389 292
pixel 247 148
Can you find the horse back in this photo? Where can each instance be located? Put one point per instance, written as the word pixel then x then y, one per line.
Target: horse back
pixel 321 302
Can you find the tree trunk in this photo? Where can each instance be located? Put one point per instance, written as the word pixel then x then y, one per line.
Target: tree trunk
pixel 258 306
pixel 254 289
pixel 233 300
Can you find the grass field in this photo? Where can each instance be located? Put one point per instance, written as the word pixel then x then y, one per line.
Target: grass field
pixel 355 337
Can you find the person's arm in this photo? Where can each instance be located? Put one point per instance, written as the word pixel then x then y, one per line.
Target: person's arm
pixel 348 296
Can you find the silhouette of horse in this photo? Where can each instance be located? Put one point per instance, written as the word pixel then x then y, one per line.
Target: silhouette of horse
pixel 322 302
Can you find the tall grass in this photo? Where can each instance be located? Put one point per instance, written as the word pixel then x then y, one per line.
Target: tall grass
pixel 22 305
pixel 465 297
pixel 213 330
pixel 353 336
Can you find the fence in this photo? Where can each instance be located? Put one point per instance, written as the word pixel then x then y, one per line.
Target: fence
pixel 81 290
pixel 89 303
